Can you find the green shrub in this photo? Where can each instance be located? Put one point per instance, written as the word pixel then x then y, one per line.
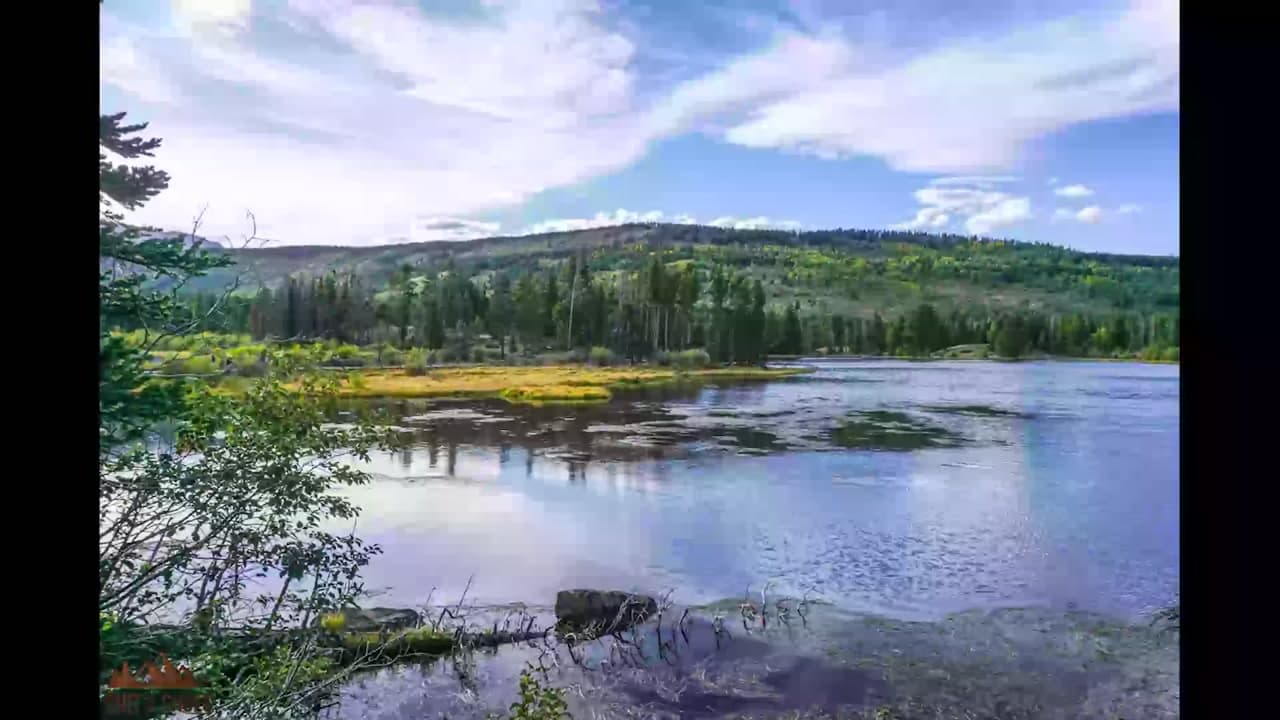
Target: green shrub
pixel 346 352
pixel 477 355
pixel 415 362
pixel 602 356
pixel 391 355
pixel 690 359
pixel 202 364
pixel 1170 354
pixel 662 358
pixel 537 702
pixel 247 360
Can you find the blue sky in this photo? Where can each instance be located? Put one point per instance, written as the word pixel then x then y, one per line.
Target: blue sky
pixel 341 122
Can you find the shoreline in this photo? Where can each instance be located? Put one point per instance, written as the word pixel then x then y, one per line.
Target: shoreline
pixel 536 385
pixel 918 358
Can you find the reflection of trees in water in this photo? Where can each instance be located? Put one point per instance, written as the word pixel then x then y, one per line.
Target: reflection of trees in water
pixel 637 426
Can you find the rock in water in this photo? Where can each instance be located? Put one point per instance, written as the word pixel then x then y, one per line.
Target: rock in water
pixel 376 619
pixel 603 610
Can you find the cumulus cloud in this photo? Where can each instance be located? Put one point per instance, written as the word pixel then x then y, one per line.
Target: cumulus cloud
pixel 451 228
pixel 917 113
pixel 1129 209
pixel 624 217
pixel 1073 191
pixel 1090 215
pixel 984 210
pixel 754 223
pixel 358 117
pixel 341 122
pixel 217 17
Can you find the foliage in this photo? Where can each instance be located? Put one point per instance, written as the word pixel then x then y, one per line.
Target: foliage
pixel 575 289
pixel 543 382
pixel 415 362
pixel 568 394
pixel 690 359
pixel 537 702
pixel 601 356
pixel 213 510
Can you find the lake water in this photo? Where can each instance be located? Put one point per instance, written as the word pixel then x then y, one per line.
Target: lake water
pixel 909 490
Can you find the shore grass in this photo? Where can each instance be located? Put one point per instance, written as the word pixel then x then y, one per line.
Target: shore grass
pixel 418 641
pixel 568 384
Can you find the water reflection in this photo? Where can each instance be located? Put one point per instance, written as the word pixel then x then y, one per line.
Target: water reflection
pixel 1064 490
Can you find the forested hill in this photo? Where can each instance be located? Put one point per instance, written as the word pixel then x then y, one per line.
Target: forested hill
pixel 854 272
pixel 639 289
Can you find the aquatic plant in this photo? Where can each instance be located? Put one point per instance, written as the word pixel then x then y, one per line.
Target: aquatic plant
pixel 890 430
pixel 538 702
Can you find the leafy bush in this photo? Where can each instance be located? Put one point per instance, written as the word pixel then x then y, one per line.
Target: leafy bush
pixel 201 364
pixel 247 360
pixel 537 702
pixel 662 358
pixel 602 356
pixel 690 359
pixel 391 355
pixel 1170 354
pixel 478 355
pixel 415 362
pixel 345 352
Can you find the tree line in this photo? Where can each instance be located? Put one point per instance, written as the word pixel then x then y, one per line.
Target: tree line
pixel 661 307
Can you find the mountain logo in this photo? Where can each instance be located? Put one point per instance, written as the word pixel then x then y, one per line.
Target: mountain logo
pixel 164 688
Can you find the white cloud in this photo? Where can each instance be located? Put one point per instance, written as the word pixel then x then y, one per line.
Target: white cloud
pixel 340 122
pixel 451 228
pixel 1129 209
pixel 603 219
pixel 1090 215
pixel 919 114
pixel 624 217
pixel 217 17
pixel 983 209
pixel 927 218
pixel 365 119
pixel 754 223
pixel 1073 191
pixel 1009 211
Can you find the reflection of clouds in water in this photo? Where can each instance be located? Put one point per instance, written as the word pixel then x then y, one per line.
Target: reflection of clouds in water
pixel 644 494
pixel 437 534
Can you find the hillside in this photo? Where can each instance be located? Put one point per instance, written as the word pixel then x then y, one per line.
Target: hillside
pixel 852 272
pixel 641 291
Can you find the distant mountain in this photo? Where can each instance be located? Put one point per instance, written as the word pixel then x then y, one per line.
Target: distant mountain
pixel 189 239
pixel 846 270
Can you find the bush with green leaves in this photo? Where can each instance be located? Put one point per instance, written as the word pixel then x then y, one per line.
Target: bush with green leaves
pixel 416 362
pixel 213 511
pixel 601 356
pixel 390 354
pixel 690 359
pixel 538 702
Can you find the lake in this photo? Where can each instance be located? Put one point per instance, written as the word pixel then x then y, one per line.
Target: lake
pixel 980 539
pixel 909 489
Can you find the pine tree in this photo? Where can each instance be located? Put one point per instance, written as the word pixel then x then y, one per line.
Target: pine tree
pixel 501 311
pixel 792 334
